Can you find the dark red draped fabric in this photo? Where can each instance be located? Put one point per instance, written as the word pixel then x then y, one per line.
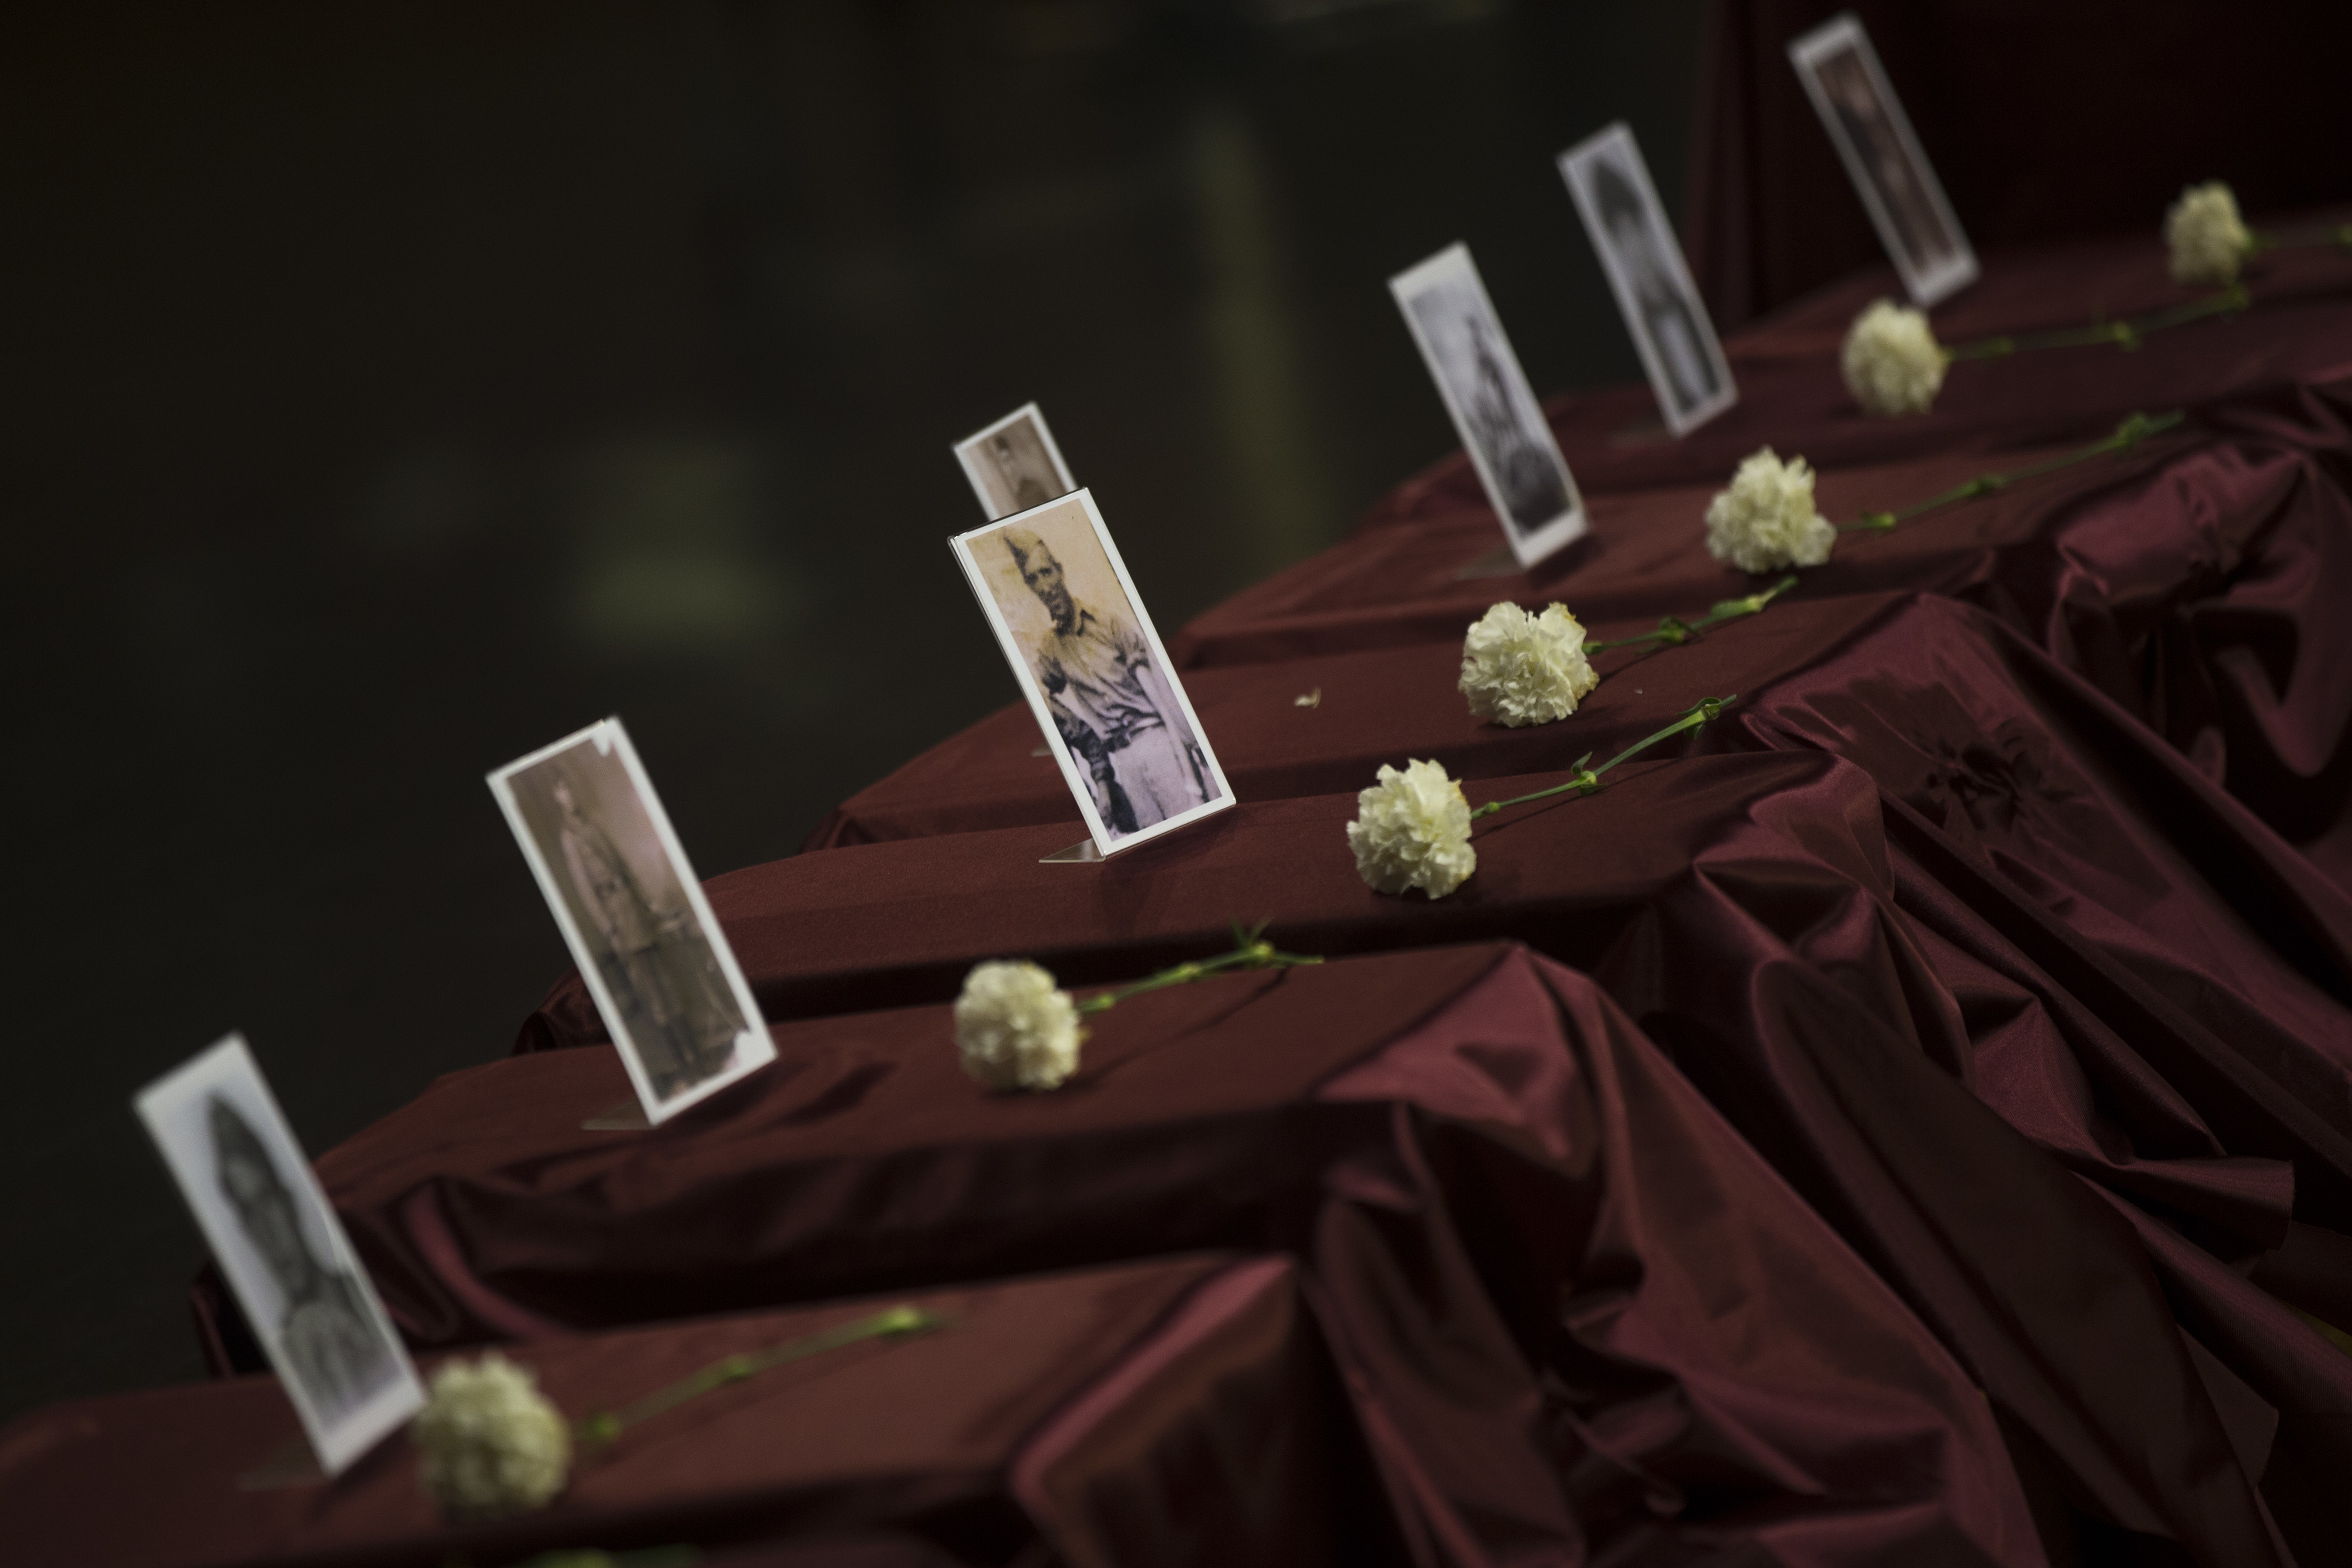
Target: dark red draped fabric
pixel 1969 1009
pixel 1793 397
pixel 1168 1412
pixel 2020 898
pixel 2042 122
pixel 1578 1314
pixel 2115 535
pixel 2193 580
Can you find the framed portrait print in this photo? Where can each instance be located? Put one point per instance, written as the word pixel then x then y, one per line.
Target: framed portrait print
pixel 1898 187
pixel 1096 676
pixel 632 913
pixel 281 1251
pixel 1495 414
pixel 1610 184
pixel 1014 464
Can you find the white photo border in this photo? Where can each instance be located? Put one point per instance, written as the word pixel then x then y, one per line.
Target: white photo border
pixel 1615 142
pixel 755 1048
pixel 1072 774
pixel 1842 32
pixel 229 1060
pixel 1451 264
pixel 966 448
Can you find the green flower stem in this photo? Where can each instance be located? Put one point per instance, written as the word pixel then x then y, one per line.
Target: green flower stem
pixel 1587 779
pixel 2136 428
pixel 2126 333
pixel 2335 234
pixel 891 1322
pixel 1673 630
pixel 1249 953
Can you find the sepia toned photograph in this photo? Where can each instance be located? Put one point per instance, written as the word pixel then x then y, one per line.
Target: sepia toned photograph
pixel 281 1250
pixel 1866 120
pixel 634 914
pixel 1014 464
pixel 1610 182
pixel 1502 426
pixel 1071 624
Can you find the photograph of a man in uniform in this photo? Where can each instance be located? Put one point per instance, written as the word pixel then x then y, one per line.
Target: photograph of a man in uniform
pixel 1644 264
pixel 1898 188
pixel 1494 412
pixel 634 914
pixel 1021 479
pixel 1109 700
pixel 280 1251
pixel 1884 161
pixel 1014 464
pixel 1093 671
pixel 325 1337
pixel 1665 316
pixel 625 898
pixel 1533 490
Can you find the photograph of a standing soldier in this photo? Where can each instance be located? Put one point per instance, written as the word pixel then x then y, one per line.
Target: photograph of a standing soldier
pixel 1109 699
pixel 681 1018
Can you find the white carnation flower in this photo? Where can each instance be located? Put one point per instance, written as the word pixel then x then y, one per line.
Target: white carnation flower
pixel 1016 1027
pixel 1520 669
pixel 1412 830
pixel 1892 361
pixel 1766 520
pixel 2206 237
pixel 492 1441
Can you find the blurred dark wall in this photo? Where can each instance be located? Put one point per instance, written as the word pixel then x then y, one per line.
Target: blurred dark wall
pixel 401 387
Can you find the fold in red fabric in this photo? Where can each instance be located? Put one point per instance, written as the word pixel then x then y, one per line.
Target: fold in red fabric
pixel 1145 1413
pixel 2192 582
pixel 1384 705
pixel 2298 332
pixel 2014 1033
pixel 2020 900
pixel 1579 1319
pixel 2123 534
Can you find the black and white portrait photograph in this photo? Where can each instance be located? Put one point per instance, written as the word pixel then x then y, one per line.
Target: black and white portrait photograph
pixel 281 1251
pixel 1014 464
pixel 1906 201
pixel 1453 322
pixel 1610 185
pixel 1092 665
pixel 633 915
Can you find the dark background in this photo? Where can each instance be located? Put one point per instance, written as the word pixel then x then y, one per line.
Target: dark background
pixel 398 388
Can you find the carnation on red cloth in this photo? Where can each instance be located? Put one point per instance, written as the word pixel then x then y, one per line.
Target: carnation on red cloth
pixel 2169 516
pixel 2194 580
pixel 1167 1411
pixel 1964 843
pixel 1793 395
pixel 2205 241
pixel 1516 1216
pixel 1891 359
pixel 1521 668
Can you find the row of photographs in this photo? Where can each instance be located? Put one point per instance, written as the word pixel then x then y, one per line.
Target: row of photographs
pixel 1091 664
pixel 1015 466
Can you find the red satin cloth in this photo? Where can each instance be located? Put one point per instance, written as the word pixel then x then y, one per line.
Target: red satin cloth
pixel 2005 920
pixel 2041 122
pixel 1577 1314
pixel 2110 536
pixel 2193 580
pixel 2022 921
pixel 1073 1410
pixel 1793 397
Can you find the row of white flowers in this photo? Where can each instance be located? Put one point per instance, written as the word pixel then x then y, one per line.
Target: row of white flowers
pixel 491 1443
pixel 1893 366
